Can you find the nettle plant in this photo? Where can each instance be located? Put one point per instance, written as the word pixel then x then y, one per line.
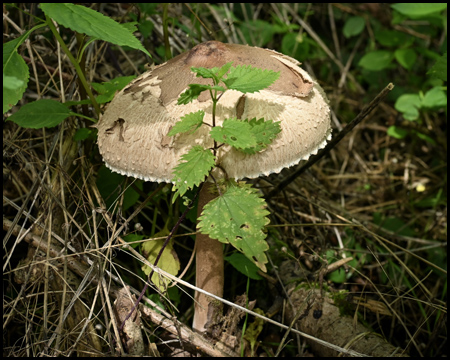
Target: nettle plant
pixel 238 215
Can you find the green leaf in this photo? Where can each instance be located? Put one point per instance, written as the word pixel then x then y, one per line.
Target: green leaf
pixel 439 70
pixel 393 38
pixel 238 217
pixel 188 123
pixel 206 73
pixel 408 104
pixel 296 45
pixel 376 60
pixel 83 134
pixel 168 261
pixel 406 57
pixel 90 22
pixel 107 90
pixel 243 264
pixel 14 67
pixel 418 9
pixel 12 83
pixel 234 132
pixel 247 79
pixel 353 26
pixel 41 113
pixel 224 69
pixel 214 73
pixel 134 240
pixel 394 224
pixel 397 132
pixel 264 132
pixel 194 91
pixel 435 98
pixel 19 70
pixel 196 165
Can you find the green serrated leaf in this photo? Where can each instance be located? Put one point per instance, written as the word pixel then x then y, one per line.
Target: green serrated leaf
pixel 248 79
pixel 214 73
pixel 206 73
pixel 90 22
pixel 238 217
pixel 224 69
pixel 40 113
pixel 234 132
pixel 264 132
pixel 188 123
pixel 194 91
pixel 193 169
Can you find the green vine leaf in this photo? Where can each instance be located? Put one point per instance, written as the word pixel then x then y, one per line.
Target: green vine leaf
pixel 234 132
pixel 247 79
pixel 264 132
pixel 192 169
pixel 188 123
pixel 238 217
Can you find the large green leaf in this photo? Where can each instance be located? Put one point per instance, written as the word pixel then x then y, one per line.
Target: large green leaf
pixel 415 10
pixel 238 217
pixel 247 79
pixel 41 113
pixel 87 21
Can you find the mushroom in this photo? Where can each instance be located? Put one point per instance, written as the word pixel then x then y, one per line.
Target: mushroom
pixel 132 133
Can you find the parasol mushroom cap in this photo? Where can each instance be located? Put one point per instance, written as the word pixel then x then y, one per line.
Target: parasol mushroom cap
pixel 132 133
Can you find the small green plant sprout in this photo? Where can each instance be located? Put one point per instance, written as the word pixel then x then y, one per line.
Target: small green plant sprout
pixel 209 118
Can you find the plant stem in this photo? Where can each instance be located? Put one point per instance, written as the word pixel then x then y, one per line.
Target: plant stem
pixel 75 63
pixel 209 266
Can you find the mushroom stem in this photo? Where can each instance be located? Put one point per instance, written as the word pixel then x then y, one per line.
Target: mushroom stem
pixel 209 266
